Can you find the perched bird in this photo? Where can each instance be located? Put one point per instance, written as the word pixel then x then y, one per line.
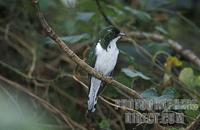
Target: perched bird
pixel 103 57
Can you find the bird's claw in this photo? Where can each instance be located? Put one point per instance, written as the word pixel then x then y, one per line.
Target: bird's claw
pixel 109 79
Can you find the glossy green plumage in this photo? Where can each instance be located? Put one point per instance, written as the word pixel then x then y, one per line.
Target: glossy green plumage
pixel 91 56
pixel 105 36
pixel 108 34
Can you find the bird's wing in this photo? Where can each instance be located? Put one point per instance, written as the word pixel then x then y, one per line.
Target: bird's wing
pixel 103 84
pixel 91 59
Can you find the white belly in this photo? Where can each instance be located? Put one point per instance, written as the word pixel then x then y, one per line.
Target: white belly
pixel 106 59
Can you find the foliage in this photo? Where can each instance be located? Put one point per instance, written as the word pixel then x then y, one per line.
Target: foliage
pixel 151 67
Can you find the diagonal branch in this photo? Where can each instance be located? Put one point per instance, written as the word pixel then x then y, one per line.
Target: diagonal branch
pixel 103 14
pixel 76 59
pixel 195 124
pixel 79 61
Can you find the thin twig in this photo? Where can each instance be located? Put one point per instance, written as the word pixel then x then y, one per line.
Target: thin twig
pixel 62 93
pixel 195 124
pixel 103 13
pixel 104 100
pixel 46 104
pixel 10 96
pixel 178 14
pixel 32 67
pixel 108 102
pixel 174 45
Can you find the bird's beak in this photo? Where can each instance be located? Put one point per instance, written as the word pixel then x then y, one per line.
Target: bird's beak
pixel 122 34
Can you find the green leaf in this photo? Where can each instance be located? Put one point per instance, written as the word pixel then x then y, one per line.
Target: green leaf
pixel 111 92
pixel 46 4
pixel 124 79
pixel 104 124
pixel 153 48
pixel 76 38
pixel 165 97
pixel 116 10
pixel 73 38
pixel 69 3
pixel 191 113
pixel 84 16
pixel 161 29
pixel 169 91
pixel 149 93
pixel 133 73
pixel 197 81
pixel 143 16
pixel 187 76
pixel 173 129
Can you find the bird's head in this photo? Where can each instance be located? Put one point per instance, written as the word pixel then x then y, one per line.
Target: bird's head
pixel 108 34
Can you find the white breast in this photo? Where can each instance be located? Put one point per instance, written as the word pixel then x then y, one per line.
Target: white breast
pixel 106 59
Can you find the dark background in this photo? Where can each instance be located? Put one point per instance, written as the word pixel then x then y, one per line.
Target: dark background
pixel 30 59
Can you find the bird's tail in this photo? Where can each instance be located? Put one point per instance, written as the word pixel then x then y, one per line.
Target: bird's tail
pixel 92 97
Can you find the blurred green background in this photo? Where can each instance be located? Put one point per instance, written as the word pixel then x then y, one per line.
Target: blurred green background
pixel 31 60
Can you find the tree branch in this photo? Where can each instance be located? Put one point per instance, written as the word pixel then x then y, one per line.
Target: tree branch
pixel 76 59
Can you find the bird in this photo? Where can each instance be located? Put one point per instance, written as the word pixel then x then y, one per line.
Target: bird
pixel 103 58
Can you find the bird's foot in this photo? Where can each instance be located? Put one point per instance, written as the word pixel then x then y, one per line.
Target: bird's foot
pixel 109 79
